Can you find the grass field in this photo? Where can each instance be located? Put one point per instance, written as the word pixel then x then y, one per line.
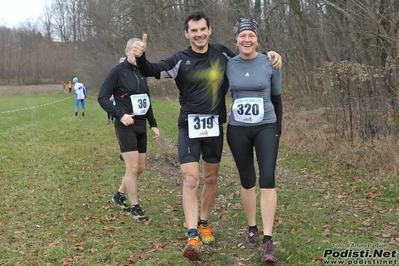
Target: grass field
pixel 58 174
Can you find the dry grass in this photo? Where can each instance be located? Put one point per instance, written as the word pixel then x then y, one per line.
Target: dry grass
pixel 30 90
pixel 307 132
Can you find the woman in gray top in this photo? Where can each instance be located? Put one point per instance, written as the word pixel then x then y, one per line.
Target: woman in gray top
pixel 255 121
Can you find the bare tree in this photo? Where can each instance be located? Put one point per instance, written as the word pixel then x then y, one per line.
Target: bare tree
pixel 7 50
pixel 60 21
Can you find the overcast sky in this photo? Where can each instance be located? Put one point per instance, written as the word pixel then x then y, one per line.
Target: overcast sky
pixel 15 12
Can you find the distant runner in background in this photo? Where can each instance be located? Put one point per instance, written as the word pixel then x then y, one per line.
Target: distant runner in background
pixel 80 92
pixel 110 116
pixel 70 86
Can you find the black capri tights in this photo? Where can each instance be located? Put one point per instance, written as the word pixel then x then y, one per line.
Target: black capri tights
pixel 242 140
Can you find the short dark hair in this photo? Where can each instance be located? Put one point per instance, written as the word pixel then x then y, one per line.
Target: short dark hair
pixel 195 16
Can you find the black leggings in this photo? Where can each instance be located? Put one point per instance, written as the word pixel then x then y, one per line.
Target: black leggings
pixel 242 140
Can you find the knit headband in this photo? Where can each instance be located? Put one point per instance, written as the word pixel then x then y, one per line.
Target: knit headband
pixel 246 24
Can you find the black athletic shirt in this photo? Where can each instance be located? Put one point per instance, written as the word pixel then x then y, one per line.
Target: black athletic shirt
pixel 200 79
pixel 123 80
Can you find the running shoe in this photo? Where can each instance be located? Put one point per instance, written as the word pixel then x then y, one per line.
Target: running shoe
pixel 205 234
pixel 252 239
pixel 138 214
pixel 192 251
pixel 268 254
pixel 121 202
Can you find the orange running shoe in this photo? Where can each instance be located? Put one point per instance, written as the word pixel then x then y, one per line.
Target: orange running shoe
pixel 206 234
pixel 193 249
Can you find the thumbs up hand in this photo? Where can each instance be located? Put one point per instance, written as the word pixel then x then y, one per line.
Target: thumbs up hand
pixel 139 47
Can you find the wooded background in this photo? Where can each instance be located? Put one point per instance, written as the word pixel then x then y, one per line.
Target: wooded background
pixel 338 55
